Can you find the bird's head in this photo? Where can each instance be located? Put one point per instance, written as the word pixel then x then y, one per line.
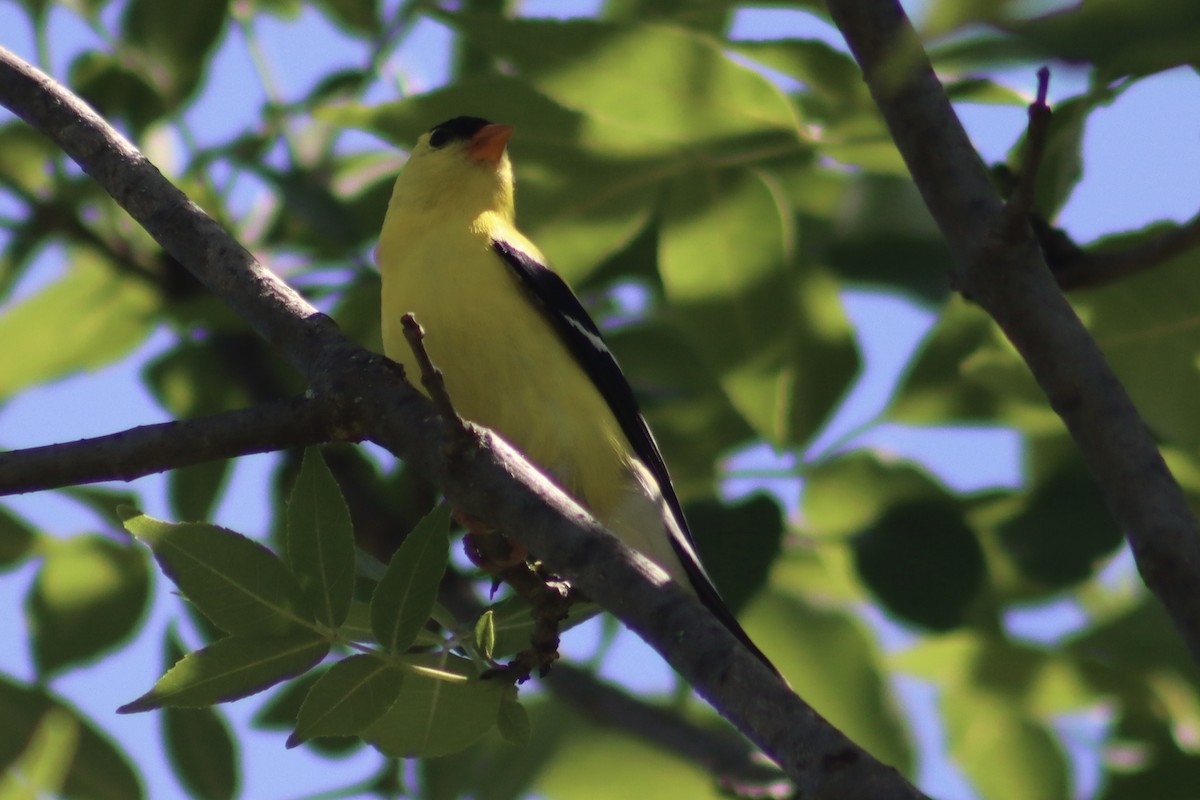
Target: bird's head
pixel 458 166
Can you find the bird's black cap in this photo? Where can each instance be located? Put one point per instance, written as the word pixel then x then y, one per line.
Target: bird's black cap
pixel 459 129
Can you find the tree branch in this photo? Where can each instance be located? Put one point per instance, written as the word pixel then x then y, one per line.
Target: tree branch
pixel 477 471
pixel 147 449
pixel 1096 269
pixel 720 752
pixel 1008 277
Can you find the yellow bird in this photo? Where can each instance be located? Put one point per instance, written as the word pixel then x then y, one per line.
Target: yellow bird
pixel 519 353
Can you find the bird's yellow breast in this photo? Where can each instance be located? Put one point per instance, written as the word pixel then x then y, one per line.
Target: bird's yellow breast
pixel 504 365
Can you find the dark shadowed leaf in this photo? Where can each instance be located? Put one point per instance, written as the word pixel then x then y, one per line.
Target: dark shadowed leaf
pixel 320 541
pixel 199 744
pixel 194 491
pixel 17 540
pixel 404 598
pixel 1064 531
pixel 923 562
pixel 348 698
pixel 738 543
pixel 440 710
pixel 89 596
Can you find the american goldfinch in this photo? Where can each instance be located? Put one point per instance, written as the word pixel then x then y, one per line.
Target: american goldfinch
pixel 519 353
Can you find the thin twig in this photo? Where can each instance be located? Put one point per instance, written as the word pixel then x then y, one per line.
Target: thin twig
pixel 431 377
pixel 1020 203
pixel 1096 269
pixel 149 449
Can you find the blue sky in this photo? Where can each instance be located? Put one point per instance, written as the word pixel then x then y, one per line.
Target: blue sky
pixel 1142 166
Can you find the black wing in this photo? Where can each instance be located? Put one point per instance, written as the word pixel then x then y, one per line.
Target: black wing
pixel 579 332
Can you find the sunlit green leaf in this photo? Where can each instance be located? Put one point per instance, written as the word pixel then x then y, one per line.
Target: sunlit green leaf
pixel 766 328
pixel 89 596
pixel 645 76
pixel 90 317
pixel 404 598
pixel 97 767
pixel 240 585
pixel 230 669
pixel 849 689
pixel 321 540
pixel 1007 754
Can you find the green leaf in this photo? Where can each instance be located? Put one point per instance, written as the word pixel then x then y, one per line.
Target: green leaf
pixel 359 17
pixel 1120 38
pixel 964 371
pixel 881 232
pixel 348 698
pixel 117 90
pixel 187 379
pixel 851 689
pixel 513 721
pixel 442 708
pixel 236 582
pixel 1145 324
pixel 1007 754
pixel 923 561
pixel 846 494
pixel 485 634
pixel 642 76
pixel 405 596
pixel 193 491
pixel 98 769
pixel 776 336
pixel 320 543
pixel 231 669
pixel 199 744
pixel 826 71
pixel 692 417
pixel 738 543
pixel 1064 530
pixel 357 625
pixel 89 318
pixel 176 41
pixel 89 596
pixel 17 540
pixel 512 623
pixel 24 154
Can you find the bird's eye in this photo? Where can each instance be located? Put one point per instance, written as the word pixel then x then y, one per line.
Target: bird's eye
pixel 438 138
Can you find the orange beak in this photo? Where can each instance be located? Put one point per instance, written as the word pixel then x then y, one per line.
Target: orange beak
pixel 489 143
